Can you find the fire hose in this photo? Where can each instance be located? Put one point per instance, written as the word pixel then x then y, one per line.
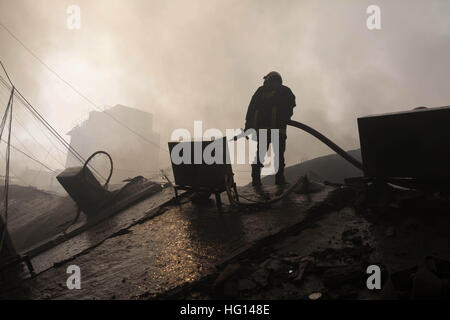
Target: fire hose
pixel 328 142
pixel 234 200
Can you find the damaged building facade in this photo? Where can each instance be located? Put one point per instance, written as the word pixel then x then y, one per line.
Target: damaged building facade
pixel 132 155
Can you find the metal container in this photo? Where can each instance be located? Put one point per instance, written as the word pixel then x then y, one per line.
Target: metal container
pixel 83 188
pixel 202 175
pixel 412 144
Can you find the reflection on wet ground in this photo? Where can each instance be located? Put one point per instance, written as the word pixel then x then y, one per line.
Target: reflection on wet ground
pixel 181 245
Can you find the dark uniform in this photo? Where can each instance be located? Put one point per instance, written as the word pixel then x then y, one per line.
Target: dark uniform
pixel 271 107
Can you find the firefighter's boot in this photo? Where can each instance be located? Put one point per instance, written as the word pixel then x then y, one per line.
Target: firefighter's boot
pixel 279 177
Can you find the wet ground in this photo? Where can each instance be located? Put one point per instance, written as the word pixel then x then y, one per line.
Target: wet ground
pixel 318 260
pixel 404 232
pixel 99 232
pixel 144 252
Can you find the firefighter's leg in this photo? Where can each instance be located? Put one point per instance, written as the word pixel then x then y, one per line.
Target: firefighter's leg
pixel 256 175
pixel 279 176
pixel 258 163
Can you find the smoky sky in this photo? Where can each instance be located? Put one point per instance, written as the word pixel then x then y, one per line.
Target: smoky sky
pixel 203 60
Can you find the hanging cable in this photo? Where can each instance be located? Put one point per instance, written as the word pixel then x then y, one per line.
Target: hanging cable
pixel 37 124
pixel 39 117
pixel 6 188
pixel 35 140
pixel 30 157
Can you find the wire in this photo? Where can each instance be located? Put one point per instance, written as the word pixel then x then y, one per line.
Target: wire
pixel 77 91
pixel 23 146
pixel 39 117
pixel 15 175
pixel 37 124
pixel 6 195
pixel 30 157
pixel 5 115
pixel 35 140
pixel 7 76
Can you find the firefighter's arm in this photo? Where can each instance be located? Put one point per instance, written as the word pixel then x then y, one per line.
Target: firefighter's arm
pixel 292 105
pixel 289 107
pixel 249 118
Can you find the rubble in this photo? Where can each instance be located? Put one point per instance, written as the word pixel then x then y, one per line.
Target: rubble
pixel 301 270
pixel 343 275
pixel 430 279
pixel 246 285
pixel 261 277
pixel 226 273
